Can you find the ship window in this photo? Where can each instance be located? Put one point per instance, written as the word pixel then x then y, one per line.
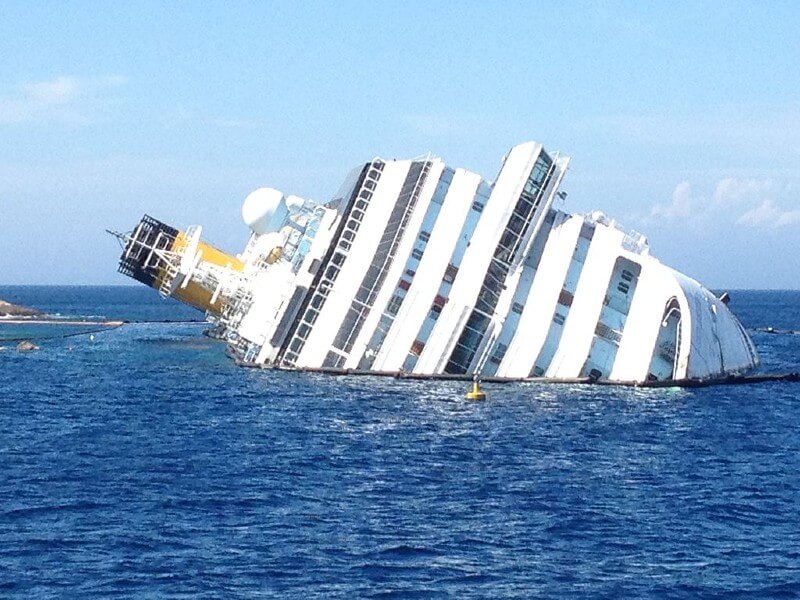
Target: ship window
pixel 424 236
pixel 565 298
pixel 627 275
pixel 332 273
pixel 508 239
pixel 338 259
pixel 366 195
pixel 587 231
pixel 357 214
pixel 450 273
pixel 417 347
pixel 403 284
pixel 523 207
pixel 348 235
pixel 517 308
pixel 303 330
pixel 410 272
pixel 311 316
pixel 394 304
pixel 296 345
pixel 345 245
pixel 477 206
pixel 559 319
pixel 369 184
pixel 516 224
pixel 417 253
pixel 353 225
pixel 540 169
pixel 378 164
pixel 623 287
pixel 434 313
pixel 317 301
pixel 361 204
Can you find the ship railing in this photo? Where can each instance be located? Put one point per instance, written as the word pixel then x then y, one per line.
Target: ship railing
pixel 635 242
pixel 156 257
pixel 394 244
pixel 170 272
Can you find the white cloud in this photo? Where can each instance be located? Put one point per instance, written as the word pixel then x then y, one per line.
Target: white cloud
pixel 739 191
pixel 756 201
pixel 56 91
pixel 65 99
pixel 764 128
pixel 767 214
pixel 749 202
pixel 681 205
pixel 184 114
pixel 449 124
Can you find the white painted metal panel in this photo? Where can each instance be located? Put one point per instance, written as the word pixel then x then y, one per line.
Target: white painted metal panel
pixel 398 264
pixel 415 308
pixel 537 316
pixel 506 190
pixel 579 328
pixel 355 266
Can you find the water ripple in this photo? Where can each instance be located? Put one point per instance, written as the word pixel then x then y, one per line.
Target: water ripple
pixel 145 464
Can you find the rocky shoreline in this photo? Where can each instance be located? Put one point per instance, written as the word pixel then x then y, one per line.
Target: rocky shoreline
pixel 14 310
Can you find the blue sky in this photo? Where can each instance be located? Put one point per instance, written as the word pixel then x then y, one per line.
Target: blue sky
pixel 682 119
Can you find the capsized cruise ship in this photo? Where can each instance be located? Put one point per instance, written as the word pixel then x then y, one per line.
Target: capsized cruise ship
pixel 418 267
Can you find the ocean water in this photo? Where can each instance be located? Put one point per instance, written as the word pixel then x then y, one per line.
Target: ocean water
pixel 144 464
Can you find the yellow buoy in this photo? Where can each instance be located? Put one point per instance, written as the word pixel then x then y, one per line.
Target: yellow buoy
pixel 476 393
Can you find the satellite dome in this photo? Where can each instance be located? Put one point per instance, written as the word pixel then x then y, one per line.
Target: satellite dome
pixel 264 210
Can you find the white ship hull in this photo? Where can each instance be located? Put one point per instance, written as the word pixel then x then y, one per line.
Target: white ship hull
pixel 420 268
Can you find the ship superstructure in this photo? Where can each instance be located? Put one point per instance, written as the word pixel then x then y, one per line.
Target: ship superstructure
pixel 418 267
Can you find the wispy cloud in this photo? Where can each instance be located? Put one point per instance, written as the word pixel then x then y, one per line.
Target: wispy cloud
pixel 65 99
pixel 767 214
pixel 449 124
pixel 681 205
pixel 184 114
pixel 437 125
pixel 750 202
pixel 764 127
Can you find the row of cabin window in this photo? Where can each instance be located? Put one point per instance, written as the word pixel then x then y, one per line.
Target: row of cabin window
pixel 449 277
pixel 540 170
pixel 499 353
pixel 317 301
pixel 468 342
pixel 354 220
pixel 517 224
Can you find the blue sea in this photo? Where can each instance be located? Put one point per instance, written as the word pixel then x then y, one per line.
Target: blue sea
pixel 143 463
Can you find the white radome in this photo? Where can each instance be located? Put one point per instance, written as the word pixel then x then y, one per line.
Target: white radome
pixel 265 210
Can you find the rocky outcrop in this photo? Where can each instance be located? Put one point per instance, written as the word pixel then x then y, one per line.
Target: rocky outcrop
pixel 26 346
pixel 13 310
